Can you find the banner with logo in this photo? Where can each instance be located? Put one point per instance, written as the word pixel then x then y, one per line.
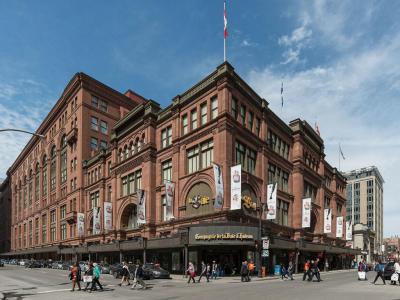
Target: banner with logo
pixel 96 220
pixel 339 227
pixel 349 231
pixel 107 215
pixel 236 187
pixel 271 201
pixel 141 213
pixel 327 220
pixel 306 213
pixel 80 224
pixel 219 187
pixel 169 198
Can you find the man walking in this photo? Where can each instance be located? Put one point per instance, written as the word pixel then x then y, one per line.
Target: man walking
pixel 306 270
pixel 96 277
pixel 139 274
pixel 290 270
pixel 244 271
pixel 379 268
pixel 214 268
pixel 203 271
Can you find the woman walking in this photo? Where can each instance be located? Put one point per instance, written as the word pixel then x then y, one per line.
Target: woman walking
pixel 76 276
pixel 96 277
pixel 125 274
pixel 88 276
pixel 191 272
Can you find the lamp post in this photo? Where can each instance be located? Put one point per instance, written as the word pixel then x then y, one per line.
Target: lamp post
pixel 259 244
pixel 23 131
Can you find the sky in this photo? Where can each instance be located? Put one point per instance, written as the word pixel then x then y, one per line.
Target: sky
pixel 339 62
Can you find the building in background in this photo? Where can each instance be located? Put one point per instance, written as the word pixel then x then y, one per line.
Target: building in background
pixel 364 239
pixel 5 216
pixel 392 247
pixel 365 201
pixel 74 195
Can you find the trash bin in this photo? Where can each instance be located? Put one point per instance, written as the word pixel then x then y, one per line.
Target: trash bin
pixel 277 270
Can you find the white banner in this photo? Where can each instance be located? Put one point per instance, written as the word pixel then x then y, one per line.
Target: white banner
pixel 236 187
pixel 306 213
pixel 219 187
pixel 169 195
pixel 271 201
pixel 107 215
pixel 96 220
pixel 349 231
pixel 327 220
pixel 141 213
pixel 80 224
pixel 339 227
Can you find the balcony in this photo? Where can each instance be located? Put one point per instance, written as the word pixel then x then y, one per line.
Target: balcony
pixel 72 136
pixel 71 217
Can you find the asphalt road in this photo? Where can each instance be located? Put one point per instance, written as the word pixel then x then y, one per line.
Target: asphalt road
pixel 20 283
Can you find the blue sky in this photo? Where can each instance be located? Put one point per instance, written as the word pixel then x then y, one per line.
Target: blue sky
pixel 339 61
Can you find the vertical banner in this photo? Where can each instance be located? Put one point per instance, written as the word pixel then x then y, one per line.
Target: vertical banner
pixel 271 201
pixel 349 231
pixel 81 224
pixel 339 227
pixel 219 187
pixel 96 220
pixel 169 194
pixel 141 214
pixel 107 215
pixel 236 187
pixel 306 213
pixel 327 220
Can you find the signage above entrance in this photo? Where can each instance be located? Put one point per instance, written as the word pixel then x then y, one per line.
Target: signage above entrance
pixel 198 201
pixel 224 236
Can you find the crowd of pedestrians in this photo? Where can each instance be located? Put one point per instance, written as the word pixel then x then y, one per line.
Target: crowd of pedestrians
pixel 91 277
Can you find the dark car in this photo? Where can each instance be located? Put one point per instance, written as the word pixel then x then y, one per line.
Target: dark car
pixel 389 270
pixel 33 265
pixel 154 271
pixel 114 267
pixel 1 263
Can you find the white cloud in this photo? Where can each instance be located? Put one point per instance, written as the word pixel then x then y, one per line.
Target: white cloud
pixel 355 100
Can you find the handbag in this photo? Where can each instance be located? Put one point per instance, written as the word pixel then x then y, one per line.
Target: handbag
pixel 394 277
pixel 87 278
pixel 361 275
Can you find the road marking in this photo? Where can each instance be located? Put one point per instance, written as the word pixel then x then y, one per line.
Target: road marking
pixel 53 291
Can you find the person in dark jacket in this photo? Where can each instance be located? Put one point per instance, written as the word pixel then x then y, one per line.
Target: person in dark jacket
pixel 96 277
pixel 307 271
pixel 315 270
pixel 283 272
pixel 139 274
pixel 203 271
pixel 379 269
pixel 244 271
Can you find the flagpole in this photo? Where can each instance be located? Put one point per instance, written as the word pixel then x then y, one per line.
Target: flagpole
pixel 339 157
pixel 225 32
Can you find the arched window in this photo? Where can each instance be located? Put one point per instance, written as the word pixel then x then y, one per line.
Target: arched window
pixel 53 155
pixel 63 169
pixel 37 182
pixel 19 195
pixel 139 144
pixel 25 192
pixel 143 139
pixel 44 176
pixel 126 151
pixel 30 187
pixel 121 155
pixel 132 148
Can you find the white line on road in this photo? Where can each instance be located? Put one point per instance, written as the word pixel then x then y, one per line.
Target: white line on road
pixel 53 291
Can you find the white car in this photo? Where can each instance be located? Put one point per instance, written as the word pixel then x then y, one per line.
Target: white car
pixel 22 262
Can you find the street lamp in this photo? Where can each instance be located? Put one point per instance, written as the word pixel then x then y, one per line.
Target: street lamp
pixel 259 238
pixel 24 131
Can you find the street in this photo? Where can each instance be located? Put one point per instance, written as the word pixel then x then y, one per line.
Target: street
pixel 20 283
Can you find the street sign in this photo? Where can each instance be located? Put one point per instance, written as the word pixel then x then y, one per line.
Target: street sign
pixel 265 243
pixel 265 253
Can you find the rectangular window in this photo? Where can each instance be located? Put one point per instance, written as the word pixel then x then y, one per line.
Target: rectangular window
pixel 240 154
pixel 166 170
pixel 214 107
pixel 30 232
pixel 63 231
pixel 44 228
pixel 203 113
pixel 53 225
pixel 94 199
pixel 193 116
pixel 185 125
pixel 243 114
pixel 95 101
pixel 103 127
pixel 206 154
pixel 193 159
pixel 258 127
pixel 166 137
pixel 131 183
pixel 164 208
pixel 124 188
pixel 234 108
pixel 251 161
pixel 310 191
pixel 94 123
pixel 103 144
pixel 251 121
pixel 327 202
pixel 103 105
pixel 63 212
pixel 36 231
pixel 93 143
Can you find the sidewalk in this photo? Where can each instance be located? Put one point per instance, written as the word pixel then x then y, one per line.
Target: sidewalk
pixel 232 279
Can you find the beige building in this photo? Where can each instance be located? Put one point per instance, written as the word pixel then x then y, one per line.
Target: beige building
pixel 365 201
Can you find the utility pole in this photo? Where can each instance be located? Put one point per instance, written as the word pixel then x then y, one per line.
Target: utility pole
pixel 23 131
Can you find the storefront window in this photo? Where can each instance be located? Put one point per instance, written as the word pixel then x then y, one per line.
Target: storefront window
pixel 176 261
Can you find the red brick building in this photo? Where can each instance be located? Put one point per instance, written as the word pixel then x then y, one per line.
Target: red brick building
pixel 219 120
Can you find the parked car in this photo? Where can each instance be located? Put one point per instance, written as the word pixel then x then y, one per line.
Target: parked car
pixel 389 270
pixel 154 271
pixel 22 262
pixel 105 269
pixel 33 264
pixel 114 267
pixel 1 263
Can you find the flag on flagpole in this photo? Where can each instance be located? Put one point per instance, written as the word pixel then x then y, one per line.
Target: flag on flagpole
pixel 282 94
pixel 225 22
pixel 317 128
pixel 341 152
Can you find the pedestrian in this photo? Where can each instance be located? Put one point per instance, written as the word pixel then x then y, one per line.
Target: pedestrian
pixel 214 269
pixel 139 274
pixel 397 270
pixel 125 274
pixel 379 268
pixel 283 272
pixel 290 270
pixel 307 270
pixel 244 271
pixel 76 276
pixel 89 275
pixel 203 271
pixel 96 277
pixel 191 272
pixel 315 270
pixel 251 268
pixel 208 272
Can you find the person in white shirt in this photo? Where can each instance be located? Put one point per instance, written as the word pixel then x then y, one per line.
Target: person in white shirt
pixel 397 269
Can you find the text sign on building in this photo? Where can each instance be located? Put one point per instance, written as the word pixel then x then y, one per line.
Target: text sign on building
pixel 339 227
pixel 236 187
pixel 306 213
pixel 81 224
pixel 265 243
pixel 107 215
pixel 96 220
pixel 141 196
pixel 224 234
pixel 271 201
pixel 327 220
